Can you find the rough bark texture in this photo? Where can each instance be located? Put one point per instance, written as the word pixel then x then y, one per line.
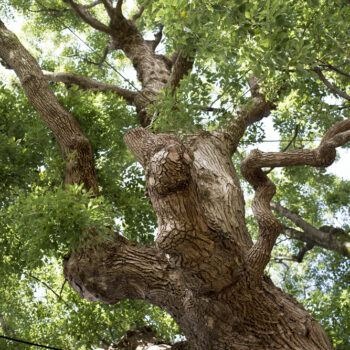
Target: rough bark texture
pixel 139 339
pixel 75 147
pixel 203 267
pixel 199 268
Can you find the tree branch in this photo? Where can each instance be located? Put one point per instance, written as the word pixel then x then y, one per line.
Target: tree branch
pixel 312 235
pixel 119 7
pixel 260 108
pixel 251 167
pixel 158 38
pixel 335 69
pixel 80 168
pixel 59 12
pixel 109 7
pixel 331 86
pixel 182 66
pixel 90 84
pixel 116 269
pixel 137 15
pixel 88 18
pixel 46 285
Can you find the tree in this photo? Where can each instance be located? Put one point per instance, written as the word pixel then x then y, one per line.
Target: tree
pixel 224 67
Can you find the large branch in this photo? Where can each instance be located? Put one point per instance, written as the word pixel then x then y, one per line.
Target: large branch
pixel 153 71
pixel 109 7
pixel 87 17
pixel 310 234
pixel 259 109
pixel 74 145
pixel 251 167
pixel 90 84
pixel 115 269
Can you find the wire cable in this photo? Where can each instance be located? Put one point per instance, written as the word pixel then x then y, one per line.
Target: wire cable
pixel 29 343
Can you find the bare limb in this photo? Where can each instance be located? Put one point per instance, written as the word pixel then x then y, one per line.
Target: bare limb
pixel 251 167
pixel 312 235
pixel 260 108
pixel 102 60
pixel 80 169
pixel 63 284
pixel 58 296
pixel 331 86
pixel 116 269
pixel 302 251
pixel 90 84
pixel 137 15
pixel 88 18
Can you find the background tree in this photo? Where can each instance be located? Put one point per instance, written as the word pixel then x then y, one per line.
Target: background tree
pixel 212 71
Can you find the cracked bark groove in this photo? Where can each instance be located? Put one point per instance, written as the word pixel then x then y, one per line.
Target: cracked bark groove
pixel 203 267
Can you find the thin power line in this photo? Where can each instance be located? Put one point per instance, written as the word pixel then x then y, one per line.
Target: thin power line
pixel 303 140
pixel 29 343
pixel 93 51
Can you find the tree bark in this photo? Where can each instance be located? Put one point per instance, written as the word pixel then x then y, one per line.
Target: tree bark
pixel 75 147
pixel 203 268
pixel 199 268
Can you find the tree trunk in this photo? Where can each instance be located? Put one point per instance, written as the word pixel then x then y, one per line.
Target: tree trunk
pixel 197 270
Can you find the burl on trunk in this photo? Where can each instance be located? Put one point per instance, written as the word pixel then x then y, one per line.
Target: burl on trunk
pixel 201 268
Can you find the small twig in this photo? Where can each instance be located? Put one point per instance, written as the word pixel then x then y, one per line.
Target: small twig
pixel 335 69
pixel 59 12
pixel 63 284
pixel 209 108
pixel 279 260
pixel 49 288
pixel 45 284
pixel 337 91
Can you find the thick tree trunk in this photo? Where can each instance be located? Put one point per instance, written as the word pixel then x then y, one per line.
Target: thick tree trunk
pixel 197 270
pixel 203 267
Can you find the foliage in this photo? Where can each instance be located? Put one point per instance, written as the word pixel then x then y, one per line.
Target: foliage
pixel 321 284
pixel 279 41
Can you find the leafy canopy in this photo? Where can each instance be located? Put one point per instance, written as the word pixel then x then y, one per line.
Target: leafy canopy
pixel 281 42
